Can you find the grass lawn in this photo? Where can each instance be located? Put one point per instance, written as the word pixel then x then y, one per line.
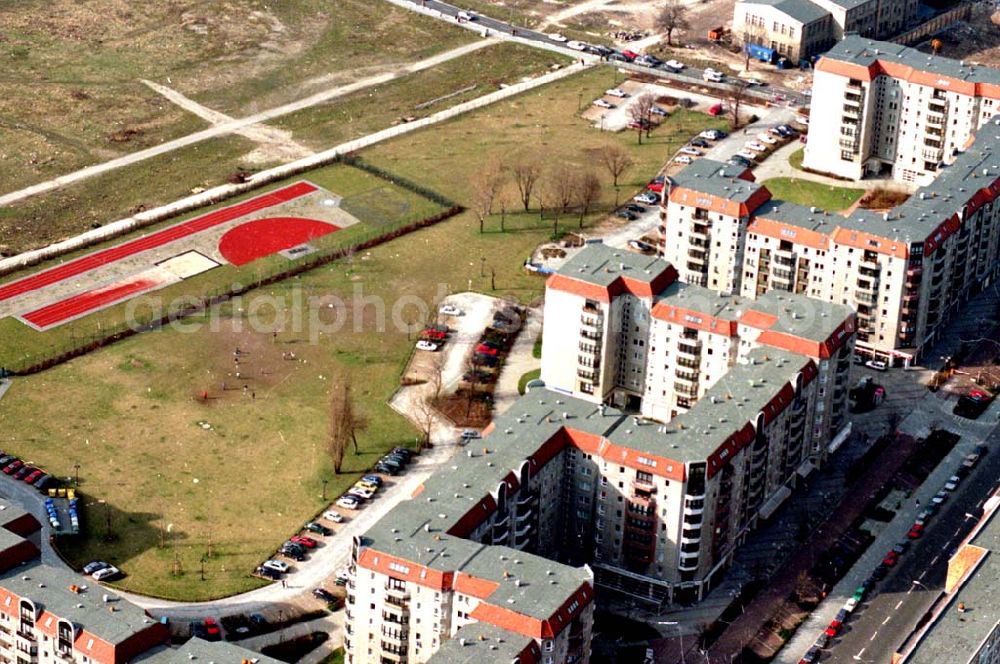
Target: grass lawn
pixel 131 415
pixel 795 159
pixel 72 92
pixel 807 192
pixel 336 657
pixel 370 110
pixel 527 378
pixel 49 217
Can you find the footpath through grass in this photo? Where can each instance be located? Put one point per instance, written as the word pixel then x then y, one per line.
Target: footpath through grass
pixel 808 192
pixel 131 414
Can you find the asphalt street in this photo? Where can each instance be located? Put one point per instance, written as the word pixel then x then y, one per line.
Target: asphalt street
pixel 881 623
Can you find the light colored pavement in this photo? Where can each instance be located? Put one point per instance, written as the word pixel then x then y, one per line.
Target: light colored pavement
pixel 332 624
pixel 5 384
pixel 778 166
pixel 519 361
pixel 236 125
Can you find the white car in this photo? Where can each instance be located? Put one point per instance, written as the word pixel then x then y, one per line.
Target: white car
pixel 423 344
pixel 336 517
pixel 877 365
pixel 349 502
pixel 451 310
pixel 646 198
pixel 694 152
pixel 747 154
pixel 616 92
pixel 713 76
pixel 278 566
pixel 466 16
pixel 850 605
pixel 471 434
pixel 556 37
pixel 361 492
pixel 683 159
pixel 767 138
pixel 952 483
pixel 757 147
pixel 576 45
pixel 753 81
pixel 673 64
pixel 603 104
pixel 711 134
pixel 939 497
pixel 105 573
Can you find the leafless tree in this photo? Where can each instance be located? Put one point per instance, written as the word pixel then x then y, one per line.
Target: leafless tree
pixel 435 375
pixel 737 94
pixel 562 192
pixel 588 192
pixel 486 184
pixel 752 34
pixel 526 171
pixel 425 414
pixel 615 159
pixel 338 435
pixel 641 113
pixel 673 16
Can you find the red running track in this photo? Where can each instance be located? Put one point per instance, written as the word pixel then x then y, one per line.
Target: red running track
pixel 263 237
pixel 60 311
pixel 160 238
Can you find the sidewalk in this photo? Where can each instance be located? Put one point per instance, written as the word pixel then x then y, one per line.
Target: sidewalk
pixel 520 361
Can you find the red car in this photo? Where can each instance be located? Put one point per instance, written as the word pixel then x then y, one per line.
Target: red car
pixel 33 477
pixel 890 559
pixel 307 542
pixel 656 187
pixel 483 349
pixel 630 55
pixel 831 631
pixel 212 631
pixel 433 335
pixel 12 467
pixel 916 531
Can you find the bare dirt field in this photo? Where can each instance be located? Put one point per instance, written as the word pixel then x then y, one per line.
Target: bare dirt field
pixel 976 40
pixel 71 91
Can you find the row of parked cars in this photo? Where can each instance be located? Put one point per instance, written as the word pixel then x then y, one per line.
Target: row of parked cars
pixel 892 557
pixel 16 468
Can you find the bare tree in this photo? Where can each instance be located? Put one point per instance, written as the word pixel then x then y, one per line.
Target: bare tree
pixel 526 171
pixel 562 192
pixel 737 93
pixel 672 17
pixel 425 414
pixel 641 113
pixel 337 436
pixel 435 375
pixel 486 184
pixel 615 159
pixel 588 193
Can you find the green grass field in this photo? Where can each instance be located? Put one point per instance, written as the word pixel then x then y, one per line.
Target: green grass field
pixel 807 192
pixel 795 159
pixel 130 413
pixel 71 94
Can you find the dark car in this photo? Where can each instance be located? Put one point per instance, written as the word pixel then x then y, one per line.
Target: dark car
pixel 324 594
pixel 479 376
pixel 46 482
pixel 12 467
pixel 5 459
pixel 700 143
pixel 268 573
pixel 314 527
pixel 387 469
pixel 23 472
pixel 627 215
pixel 635 207
pixel 405 451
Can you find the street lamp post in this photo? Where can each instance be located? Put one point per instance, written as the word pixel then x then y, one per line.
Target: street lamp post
pixel 76 467
pixel 202 569
pixel 325 482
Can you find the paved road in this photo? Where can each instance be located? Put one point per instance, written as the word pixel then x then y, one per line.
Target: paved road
pixel 881 624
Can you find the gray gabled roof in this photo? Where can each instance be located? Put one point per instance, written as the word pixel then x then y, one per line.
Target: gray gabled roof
pixel 802 11
pixel 865 52
pixel 199 651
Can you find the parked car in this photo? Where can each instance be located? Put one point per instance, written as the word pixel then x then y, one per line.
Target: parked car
pixel 106 573
pixel 916 530
pixel 294 552
pixel 33 477
pixel 94 566
pixel 429 346
pixel 349 502
pixel 336 517
pixel 361 492
pixel 683 159
pixel 630 55
pixel 694 152
pixel 556 37
pixel 952 483
pixel 279 566
pixel 5 459
pixel 655 187
pixel 304 541
pixel 753 82
pixel 736 160
pixel 851 604
pixel 674 65
pixel 12 467
pixel 635 207
pixel 600 103
pixel 212 630
pixel 383 468
pixel 23 472
pixel 700 143
pixel 877 365
pixel 939 497
pixel 757 147
pixel 450 310
pixel 811 656
pixel 713 76
pixel 748 155
pixel 325 595
pixel 471 434
pixel 478 376
pixel 656 110
pixel 314 527
pixel 44 482
pixel 713 134
pixel 616 92
pixel 268 573
pixel 646 198
pixel 576 45
pixel 765 137
pixel 890 559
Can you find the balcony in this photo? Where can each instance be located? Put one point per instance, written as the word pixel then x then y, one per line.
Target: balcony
pixel 644 485
pixel 699 232
pixel 688 563
pixel 686 390
pixel 689 348
pixel 521 531
pixel 936 119
pixel 396 593
pixel 591 320
pixel 587 374
pixel 395 614
pixel 690 377
pixel 932 154
pixel 590 334
pixel 864 297
pixel 394 656
pixel 589 362
pixel 691 540
pixel 589 349
pixel 523 515
pixel 784 257
pixel 526 498
pixel 694 511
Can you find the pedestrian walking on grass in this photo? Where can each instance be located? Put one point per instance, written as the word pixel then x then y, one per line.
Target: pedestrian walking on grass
pixel 253 396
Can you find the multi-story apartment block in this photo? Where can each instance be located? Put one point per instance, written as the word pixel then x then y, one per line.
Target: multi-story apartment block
pixel 905 271
pixel 501 551
pixel 883 108
pixel 49 615
pixel 802 29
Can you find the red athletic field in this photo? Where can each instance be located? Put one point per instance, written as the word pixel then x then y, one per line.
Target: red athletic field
pixel 263 237
pixel 171 234
pixel 63 310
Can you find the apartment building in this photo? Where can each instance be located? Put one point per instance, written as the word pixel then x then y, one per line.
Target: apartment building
pixel 802 29
pixel 49 615
pixel 500 553
pixel 905 271
pixel 796 29
pixel 881 108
